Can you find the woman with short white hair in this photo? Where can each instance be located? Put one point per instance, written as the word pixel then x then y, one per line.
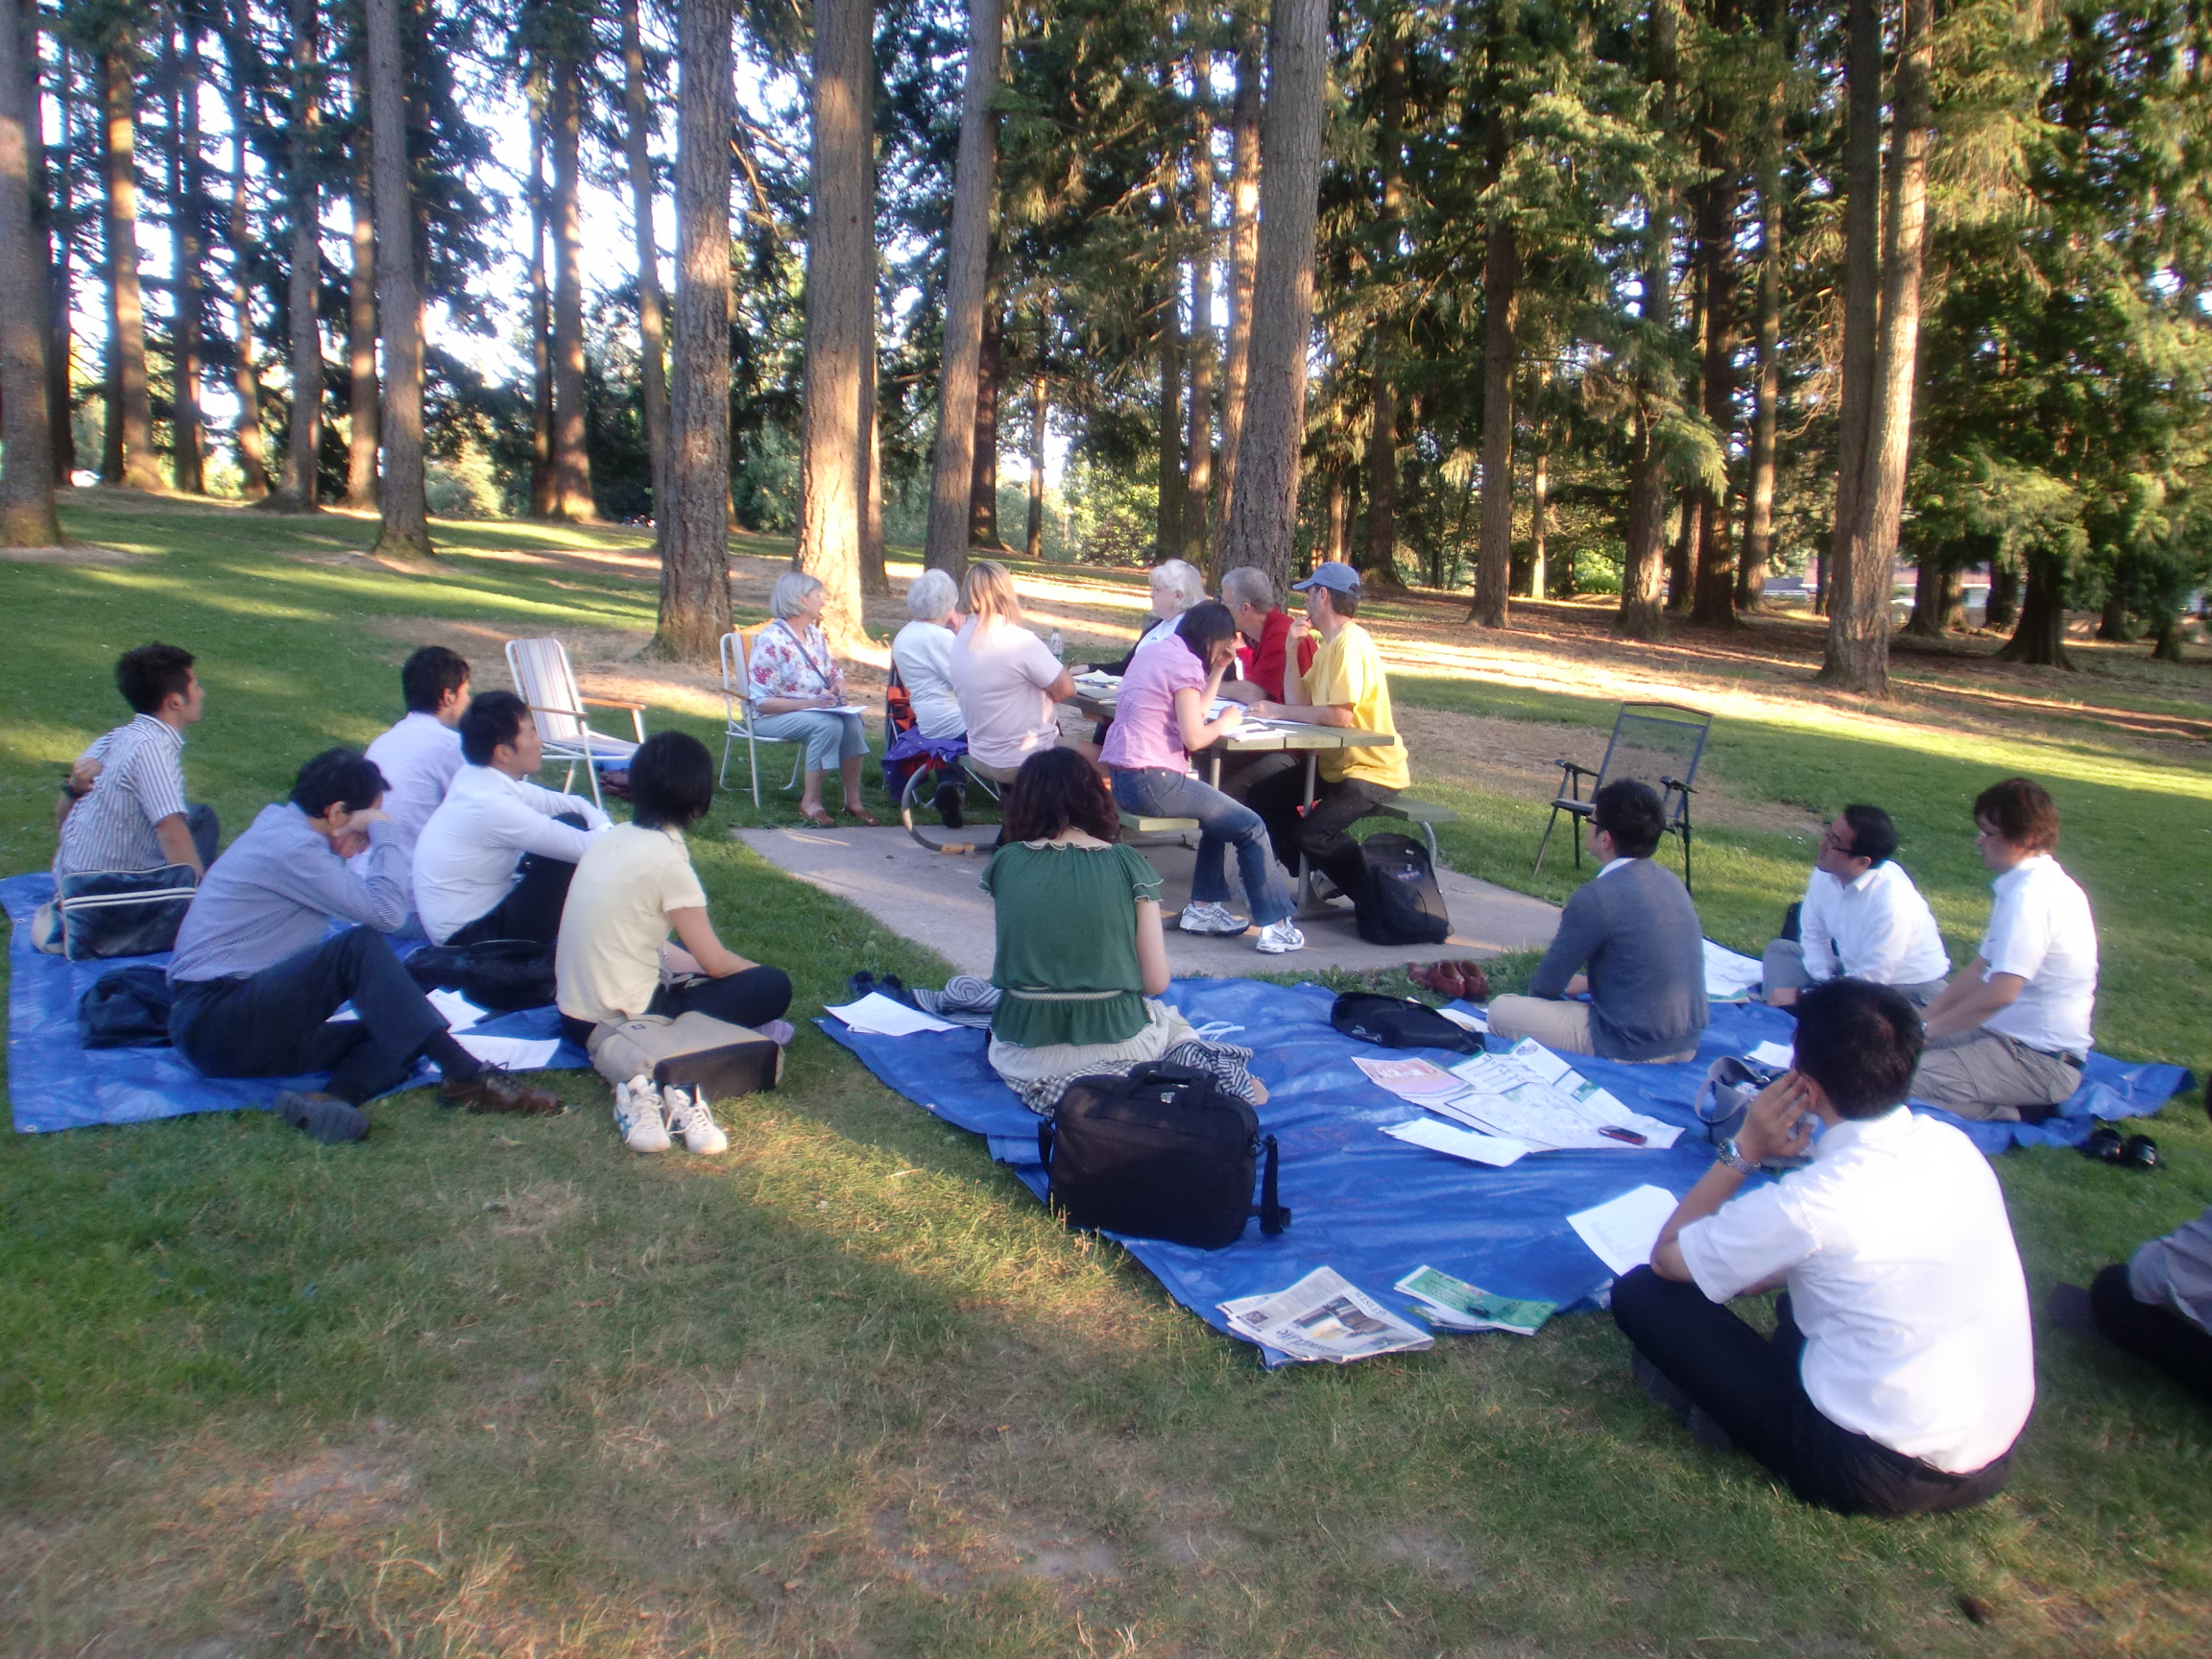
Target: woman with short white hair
pixel 798 695
pixel 922 655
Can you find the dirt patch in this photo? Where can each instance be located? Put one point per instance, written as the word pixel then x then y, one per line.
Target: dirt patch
pixel 534 1208
pixel 339 1484
pixel 1429 1553
pixel 74 553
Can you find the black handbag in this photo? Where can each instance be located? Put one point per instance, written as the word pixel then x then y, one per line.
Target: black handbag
pixel 123 912
pixel 1163 1153
pixel 1395 898
pixel 126 1008
pixel 1399 1022
pixel 499 976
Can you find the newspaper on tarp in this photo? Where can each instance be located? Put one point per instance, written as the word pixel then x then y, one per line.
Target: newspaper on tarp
pixel 1323 1316
pixel 1527 1095
pixel 1453 1305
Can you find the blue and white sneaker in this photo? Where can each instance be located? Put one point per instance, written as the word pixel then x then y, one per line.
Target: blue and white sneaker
pixel 1278 937
pixel 639 1115
pixel 1199 918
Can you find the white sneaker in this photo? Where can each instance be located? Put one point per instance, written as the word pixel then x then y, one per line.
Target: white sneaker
pixel 689 1118
pixel 1211 919
pixel 637 1114
pixel 1278 937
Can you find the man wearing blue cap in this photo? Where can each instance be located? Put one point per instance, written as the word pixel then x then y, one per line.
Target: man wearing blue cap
pixel 1345 686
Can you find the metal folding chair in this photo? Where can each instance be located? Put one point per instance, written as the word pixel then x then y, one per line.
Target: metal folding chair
pixel 546 680
pixel 738 716
pixel 1654 743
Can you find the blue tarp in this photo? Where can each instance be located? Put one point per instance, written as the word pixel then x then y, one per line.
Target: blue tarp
pixel 55 1084
pixel 1375 1208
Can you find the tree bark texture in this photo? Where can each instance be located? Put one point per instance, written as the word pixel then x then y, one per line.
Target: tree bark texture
pixel 247 437
pixel 841 309
pixel 1690 512
pixel 974 183
pixel 54 204
pixel 694 529
pixel 187 250
pixel 1040 411
pixel 27 517
pixel 1335 515
pixel 1758 552
pixel 983 480
pixel 2002 608
pixel 1937 602
pixel 875 578
pixel 1501 297
pixel 1381 563
pixel 361 401
pixel 652 332
pixel 1243 261
pixel 1539 509
pixel 571 459
pixel 1857 657
pixel 2040 639
pixel 130 460
pixel 406 532
pixel 1714 599
pixel 1640 616
pixel 540 308
pixel 1264 518
pixel 1168 531
pixel 1199 444
pixel 305 193
pixel 1862 314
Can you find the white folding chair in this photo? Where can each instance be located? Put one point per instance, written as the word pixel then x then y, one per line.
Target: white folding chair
pixel 739 715
pixel 547 682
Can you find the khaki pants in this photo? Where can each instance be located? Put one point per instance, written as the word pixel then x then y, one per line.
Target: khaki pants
pixel 1984 1073
pixel 1784 965
pixel 1564 1027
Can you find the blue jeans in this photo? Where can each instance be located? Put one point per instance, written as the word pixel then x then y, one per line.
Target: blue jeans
pixel 829 738
pixel 1158 793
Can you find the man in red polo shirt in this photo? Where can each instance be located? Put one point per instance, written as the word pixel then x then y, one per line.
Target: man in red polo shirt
pixel 1250 596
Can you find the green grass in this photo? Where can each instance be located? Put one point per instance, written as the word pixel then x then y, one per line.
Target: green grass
pixel 478 1386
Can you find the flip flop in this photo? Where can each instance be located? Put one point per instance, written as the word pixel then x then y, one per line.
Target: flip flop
pixel 864 816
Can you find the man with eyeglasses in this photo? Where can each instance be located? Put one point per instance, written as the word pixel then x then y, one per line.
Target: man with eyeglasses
pixel 2009 1039
pixel 1861 918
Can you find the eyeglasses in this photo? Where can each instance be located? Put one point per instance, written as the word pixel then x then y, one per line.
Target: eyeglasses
pixel 1832 839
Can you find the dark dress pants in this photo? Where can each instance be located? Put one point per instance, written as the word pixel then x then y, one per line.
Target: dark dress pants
pixel 532 907
pixel 2159 1335
pixel 275 1023
pixel 1749 1385
pixel 750 997
pixel 1321 833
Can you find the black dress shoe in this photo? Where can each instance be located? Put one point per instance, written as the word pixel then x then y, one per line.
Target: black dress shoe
pixel 2140 1152
pixel 949 803
pixel 2104 1144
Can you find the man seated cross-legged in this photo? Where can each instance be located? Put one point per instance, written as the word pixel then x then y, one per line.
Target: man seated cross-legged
pixel 420 754
pixel 1861 917
pixel 1901 1369
pixel 256 981
pixel 495 859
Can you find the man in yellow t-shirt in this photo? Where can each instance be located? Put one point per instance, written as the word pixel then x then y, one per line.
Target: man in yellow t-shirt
pixel 1344 686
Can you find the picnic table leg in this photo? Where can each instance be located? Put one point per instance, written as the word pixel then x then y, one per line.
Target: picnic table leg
pixel 1309 902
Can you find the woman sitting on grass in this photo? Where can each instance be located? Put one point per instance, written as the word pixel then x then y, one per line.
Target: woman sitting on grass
pixel 1081 960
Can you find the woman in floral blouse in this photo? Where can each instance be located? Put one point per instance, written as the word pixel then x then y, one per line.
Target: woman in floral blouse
pixel 798 695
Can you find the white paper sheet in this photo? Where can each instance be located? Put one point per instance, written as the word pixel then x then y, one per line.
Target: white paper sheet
pixel 1467 1019
pixel 1622 1231
pixel 1495 1150
pixel 879 1015
pixel 1531 1094
pixel 1730 977
pixel 1779 1055
pixel 514 1053
pixel 460 1012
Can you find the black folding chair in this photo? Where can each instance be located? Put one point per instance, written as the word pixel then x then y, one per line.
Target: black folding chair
pixel 1654 743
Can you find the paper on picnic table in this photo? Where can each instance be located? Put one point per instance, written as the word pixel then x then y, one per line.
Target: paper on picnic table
pixel 1324 1316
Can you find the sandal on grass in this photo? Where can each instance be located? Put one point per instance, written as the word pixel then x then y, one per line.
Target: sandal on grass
pixel 820 819
pixel 864 815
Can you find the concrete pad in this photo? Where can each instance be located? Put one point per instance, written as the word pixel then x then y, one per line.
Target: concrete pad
pixel 933 898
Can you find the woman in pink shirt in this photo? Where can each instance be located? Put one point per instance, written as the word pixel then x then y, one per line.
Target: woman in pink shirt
pixel 1159 722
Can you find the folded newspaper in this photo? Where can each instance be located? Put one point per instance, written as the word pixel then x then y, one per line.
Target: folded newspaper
pixel 1528 1095
pixel 1324 1317
pixel 1453 1305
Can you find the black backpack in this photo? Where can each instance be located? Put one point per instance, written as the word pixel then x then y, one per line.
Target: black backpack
pixel 1162 1153
pixel 499 976
pixel 126 1008
pixel 1399 1022
pixel 1395 898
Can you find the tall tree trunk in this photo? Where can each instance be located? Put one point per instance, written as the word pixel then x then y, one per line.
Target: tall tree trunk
pixel 538 96
pixel 362 416
pixel 1713 601
pixel 694 529
pixel 1335 515
pixel 1243 262
pixel 188 243
pixel 1690 512
pixel 1198 446
pixel 1264 518
pixel 56 204
pixel 1539 505
pixel 1040 409
pixel 983 480
pixel 1767 387
pixel 1167 532
pixel 2001 608
pixel 652 342
pixel 27 518
pixel 130 448
pixel 1641 616
pixel 2040 639
pixel 2166 647
pixel 1381 559
pixel 2112 619
pixel 1857 657
pixel 247 437
pixel 1846 581
pixel 974 183
pixel 571 459
pixel 406 531
pixel 1935 597
pixel 841 309
pixel 303 451
pixel 1501 360
pixel 875 578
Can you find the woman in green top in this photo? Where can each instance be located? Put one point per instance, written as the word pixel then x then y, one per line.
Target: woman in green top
pixel 1081 960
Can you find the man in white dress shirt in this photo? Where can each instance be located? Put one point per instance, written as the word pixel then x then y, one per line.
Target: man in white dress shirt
pixel 420 756
pixel 1902 1366
pixel 495 859
pixel 1861 915
pixel 2009 1039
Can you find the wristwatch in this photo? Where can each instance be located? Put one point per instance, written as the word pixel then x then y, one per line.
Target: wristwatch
pixel 1727 1154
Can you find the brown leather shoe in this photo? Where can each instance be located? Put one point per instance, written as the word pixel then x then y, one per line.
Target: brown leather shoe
pixel 1474 984
pixel 492 1090
pixel 1441 978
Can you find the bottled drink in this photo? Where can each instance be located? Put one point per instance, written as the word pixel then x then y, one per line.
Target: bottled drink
pixel 1054 645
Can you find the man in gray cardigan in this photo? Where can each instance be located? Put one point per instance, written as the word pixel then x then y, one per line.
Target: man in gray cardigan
pixel 1634 927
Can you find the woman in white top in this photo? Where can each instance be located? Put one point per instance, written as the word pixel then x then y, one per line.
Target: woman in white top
pixel 798 695
pixel 922 655
pixel 1007 681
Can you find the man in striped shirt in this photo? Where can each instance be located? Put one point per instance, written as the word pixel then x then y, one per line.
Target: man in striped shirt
pixel 123 807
